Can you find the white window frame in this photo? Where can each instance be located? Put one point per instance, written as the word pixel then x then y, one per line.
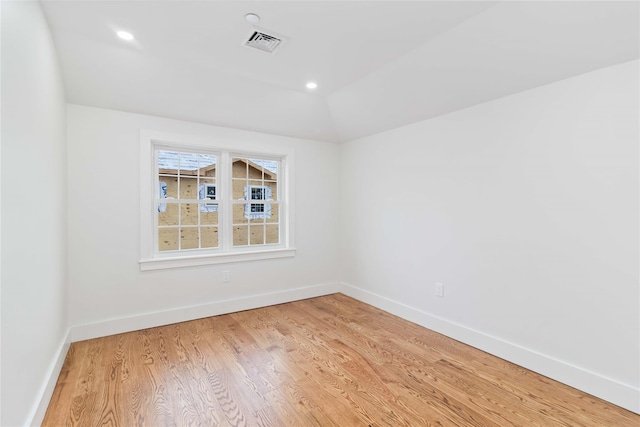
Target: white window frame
pixel 152 259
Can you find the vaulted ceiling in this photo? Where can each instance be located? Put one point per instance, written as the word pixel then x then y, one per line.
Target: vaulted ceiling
pixel 378 64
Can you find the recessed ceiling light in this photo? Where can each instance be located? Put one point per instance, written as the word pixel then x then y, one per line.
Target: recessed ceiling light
pixel 312 85
pixel 252 18
pixel 124 35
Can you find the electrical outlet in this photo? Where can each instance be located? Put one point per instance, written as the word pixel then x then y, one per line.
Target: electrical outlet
pixel 439 290
pixel 226 276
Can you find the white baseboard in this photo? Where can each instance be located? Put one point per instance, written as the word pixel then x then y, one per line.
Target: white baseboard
pixel 597 385
pixel 605 388
pixel 183 314
pixel 159 318
pixel 46 390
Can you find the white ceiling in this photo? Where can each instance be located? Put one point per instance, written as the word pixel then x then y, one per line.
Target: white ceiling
pixel 378 64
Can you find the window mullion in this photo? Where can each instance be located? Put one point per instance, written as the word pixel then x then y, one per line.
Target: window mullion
pixel 281 192
pixel 199 219
pixel 226 219
pixel 155 192
pixel 179 195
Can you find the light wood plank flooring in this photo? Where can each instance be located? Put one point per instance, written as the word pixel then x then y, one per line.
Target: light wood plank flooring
pixel 328 361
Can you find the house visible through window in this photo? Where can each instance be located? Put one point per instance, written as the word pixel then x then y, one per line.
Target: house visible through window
pixel 258 210
pixel 210 191
pixel 193 213
pixel 255 182
pixel 200 205
pixel 207 191
pixel 187 217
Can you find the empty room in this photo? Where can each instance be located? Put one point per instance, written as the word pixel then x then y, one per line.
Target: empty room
pixel 319 213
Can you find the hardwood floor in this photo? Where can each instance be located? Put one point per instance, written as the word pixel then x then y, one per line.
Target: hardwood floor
pixel 327 361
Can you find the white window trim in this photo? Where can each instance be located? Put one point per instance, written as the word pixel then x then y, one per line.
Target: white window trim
pixel 150 259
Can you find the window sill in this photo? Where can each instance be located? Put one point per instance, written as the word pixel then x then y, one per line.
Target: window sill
pixel 200 260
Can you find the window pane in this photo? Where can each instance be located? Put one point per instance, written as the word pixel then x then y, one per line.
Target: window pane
pixel 188 188
pixel 273 167
pixel 240 234
pixel 257 234
pixel 239 186
pixel 273 187
pixel 239 168
pixel 189 213
pixel 206 217
pixel 207 165
pixel 259 190
pixel 167 214
pixel 269 169
pixel 258 212
pixel 167 239
pixel 187 162
pixel 189 238
pixel 168 162
pixel 274 212
pixel 254 171
pixel 168 187
pixel 208 190
pixel 209 236
pixel 238 214
pixel 273 233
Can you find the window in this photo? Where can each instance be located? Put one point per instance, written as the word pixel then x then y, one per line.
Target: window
pixel 258 210
pixel 210 191
pixel 255 180
pixel 211 205
pixel 207 191
pixel 185 220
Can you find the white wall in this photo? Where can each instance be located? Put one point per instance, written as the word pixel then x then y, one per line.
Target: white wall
pixel 526 208
pixel 108 293
pixel 33 211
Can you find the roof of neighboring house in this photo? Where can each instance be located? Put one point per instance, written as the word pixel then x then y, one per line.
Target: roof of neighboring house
pixel 192 162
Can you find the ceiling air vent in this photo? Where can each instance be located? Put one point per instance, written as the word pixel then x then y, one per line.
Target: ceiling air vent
pixel 265 42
